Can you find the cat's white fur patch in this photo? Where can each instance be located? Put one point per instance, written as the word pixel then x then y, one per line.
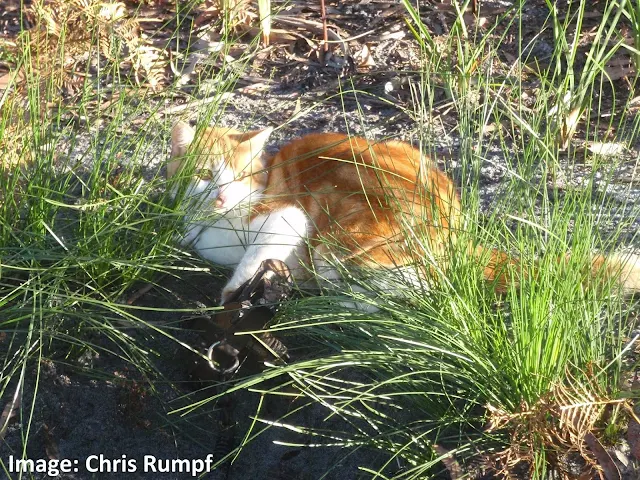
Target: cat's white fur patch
pixel 279 235
pixel 224 242
pixel 630 270
pixel 327 275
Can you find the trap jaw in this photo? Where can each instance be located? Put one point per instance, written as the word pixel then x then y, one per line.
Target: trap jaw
pixel 249 309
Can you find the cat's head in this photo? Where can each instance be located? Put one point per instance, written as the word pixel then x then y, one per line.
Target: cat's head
pixel 228 166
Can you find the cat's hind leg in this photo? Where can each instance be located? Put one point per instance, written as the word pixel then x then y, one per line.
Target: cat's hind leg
pixel 328 275
pixel 371 275
pixel 280 235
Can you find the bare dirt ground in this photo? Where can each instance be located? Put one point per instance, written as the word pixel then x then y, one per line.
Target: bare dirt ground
pixel 89 404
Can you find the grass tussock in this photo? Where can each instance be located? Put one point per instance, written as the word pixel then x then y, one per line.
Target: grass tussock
pixel 446 371
pixel 84 214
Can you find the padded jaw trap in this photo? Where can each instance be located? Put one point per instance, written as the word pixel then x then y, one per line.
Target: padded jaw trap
pixel 248 310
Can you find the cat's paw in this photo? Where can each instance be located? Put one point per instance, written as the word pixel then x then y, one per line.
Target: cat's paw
pixel 239 279
pixel 226 294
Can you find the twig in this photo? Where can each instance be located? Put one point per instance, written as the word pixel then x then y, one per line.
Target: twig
pixel 450 462
pixel 325 35
pixel 139 293
pixel 198 103
pixel 314 26
pixel 9 411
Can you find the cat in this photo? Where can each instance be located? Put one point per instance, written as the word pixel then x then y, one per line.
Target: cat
pixel 323 198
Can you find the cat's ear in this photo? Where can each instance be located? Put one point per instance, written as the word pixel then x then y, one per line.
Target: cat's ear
pixel 255 141
pixel 181 137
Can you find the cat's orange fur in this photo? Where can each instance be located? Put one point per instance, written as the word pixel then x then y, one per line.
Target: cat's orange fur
pixel 355 192
pixel 360 198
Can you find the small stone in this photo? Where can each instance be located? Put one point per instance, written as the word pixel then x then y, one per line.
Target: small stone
pixel 622 458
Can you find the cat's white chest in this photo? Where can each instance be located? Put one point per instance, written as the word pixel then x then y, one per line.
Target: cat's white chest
pixel 223 242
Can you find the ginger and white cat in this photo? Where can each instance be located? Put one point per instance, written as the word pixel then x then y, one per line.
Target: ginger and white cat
pixel 325 196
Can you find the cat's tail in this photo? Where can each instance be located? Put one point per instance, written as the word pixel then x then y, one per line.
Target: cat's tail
pixel 502 269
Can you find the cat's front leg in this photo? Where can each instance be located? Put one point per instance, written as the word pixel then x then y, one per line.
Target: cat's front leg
pixel 223 243
pixel 278 235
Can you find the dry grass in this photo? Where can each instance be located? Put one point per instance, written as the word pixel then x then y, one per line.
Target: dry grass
pixel 560 423
pixel 70 40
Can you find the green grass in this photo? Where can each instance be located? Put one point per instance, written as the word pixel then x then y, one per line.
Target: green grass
pixel 79 227
pixel 435 369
